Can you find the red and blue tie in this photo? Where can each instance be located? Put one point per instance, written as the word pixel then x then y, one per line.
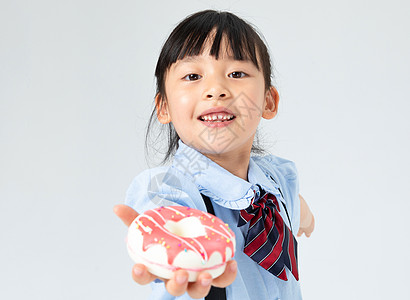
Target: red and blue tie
pixel 269 241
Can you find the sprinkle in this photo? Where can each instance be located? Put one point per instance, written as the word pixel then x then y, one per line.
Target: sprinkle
pixel 213 233
pixel 168 247
pixel 179 245
pixel 155 239
pixel 163 243
pixel 172 216
pixel 185 250
pixel 188 208
pixel 213 220
pixel 228 240
pixel 138 226
pixel 226 224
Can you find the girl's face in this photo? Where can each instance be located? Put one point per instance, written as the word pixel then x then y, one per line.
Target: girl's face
pixel 216 105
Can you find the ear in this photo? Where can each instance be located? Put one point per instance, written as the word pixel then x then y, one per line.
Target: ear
pixel 161 106
pixel 271 103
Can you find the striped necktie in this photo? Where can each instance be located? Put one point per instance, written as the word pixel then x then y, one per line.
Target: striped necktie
pixel 269 241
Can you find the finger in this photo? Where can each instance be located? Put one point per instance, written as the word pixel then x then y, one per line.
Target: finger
pixel 300 232
pixel 178 284
pixel 200 288
pixel 141 275
pixel 310 229
pixel 312 225
pixel 125 213
pixel 228 276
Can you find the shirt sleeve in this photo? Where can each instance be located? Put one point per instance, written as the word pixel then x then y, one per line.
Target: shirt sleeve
pixel 154 188
pixel 162 186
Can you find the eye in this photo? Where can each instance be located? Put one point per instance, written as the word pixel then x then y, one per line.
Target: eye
pixel 237 74
pixel 192 77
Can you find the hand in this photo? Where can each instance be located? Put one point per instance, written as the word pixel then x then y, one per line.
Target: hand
pixel 178 284
pixel 307 220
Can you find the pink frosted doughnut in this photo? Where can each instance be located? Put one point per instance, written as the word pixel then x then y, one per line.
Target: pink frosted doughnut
pixel 170 238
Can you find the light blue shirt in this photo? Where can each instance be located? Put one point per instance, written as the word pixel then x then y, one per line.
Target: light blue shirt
pixel 191 174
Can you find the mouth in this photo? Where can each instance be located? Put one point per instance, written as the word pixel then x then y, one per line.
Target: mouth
pixel 217 115
pixel 216 118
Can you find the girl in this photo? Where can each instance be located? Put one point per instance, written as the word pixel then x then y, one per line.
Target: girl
pixel 213 88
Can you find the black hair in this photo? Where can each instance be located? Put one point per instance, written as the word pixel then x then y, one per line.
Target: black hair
pixel 188 39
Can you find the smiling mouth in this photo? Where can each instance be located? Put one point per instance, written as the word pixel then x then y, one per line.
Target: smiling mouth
pixel 216 118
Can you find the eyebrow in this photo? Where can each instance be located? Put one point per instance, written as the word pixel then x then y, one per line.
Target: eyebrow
pixel 189 59
pixel 196 58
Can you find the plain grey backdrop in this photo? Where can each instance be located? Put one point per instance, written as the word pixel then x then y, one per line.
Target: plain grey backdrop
pixel 76 90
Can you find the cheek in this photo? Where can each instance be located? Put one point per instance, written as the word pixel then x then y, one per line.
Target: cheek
pixel 252 104
pixel 182 103
pixel 178 95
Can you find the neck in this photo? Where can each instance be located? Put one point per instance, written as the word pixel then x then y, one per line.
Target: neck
pixel 235 163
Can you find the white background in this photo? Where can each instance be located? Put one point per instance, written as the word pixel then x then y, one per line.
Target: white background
pixel 76 91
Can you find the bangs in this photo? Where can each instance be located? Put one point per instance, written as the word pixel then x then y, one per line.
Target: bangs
pixel 191 35
pixel 240 43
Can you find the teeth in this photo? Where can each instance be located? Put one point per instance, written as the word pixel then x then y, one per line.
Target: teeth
pixel 218 118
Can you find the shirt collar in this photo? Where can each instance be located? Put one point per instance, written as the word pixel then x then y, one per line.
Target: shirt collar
pixel 220 185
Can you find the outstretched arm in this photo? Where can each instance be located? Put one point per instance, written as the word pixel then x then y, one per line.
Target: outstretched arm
pixel 307 220
pixel 178 284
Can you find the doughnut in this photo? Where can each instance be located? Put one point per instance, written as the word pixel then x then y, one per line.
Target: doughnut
pixel 171 238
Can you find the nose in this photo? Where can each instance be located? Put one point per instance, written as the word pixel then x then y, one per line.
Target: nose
pixel 214 95
pixel 216 91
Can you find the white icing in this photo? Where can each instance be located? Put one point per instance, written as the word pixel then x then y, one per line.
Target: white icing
pixel 189 227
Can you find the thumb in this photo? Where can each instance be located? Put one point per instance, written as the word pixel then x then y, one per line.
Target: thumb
pixel 125 213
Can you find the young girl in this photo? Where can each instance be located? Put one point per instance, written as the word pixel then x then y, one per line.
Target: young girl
pixel 213 88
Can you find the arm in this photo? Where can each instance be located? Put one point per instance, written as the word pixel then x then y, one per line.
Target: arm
pixel 307 220
pixel 177 285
